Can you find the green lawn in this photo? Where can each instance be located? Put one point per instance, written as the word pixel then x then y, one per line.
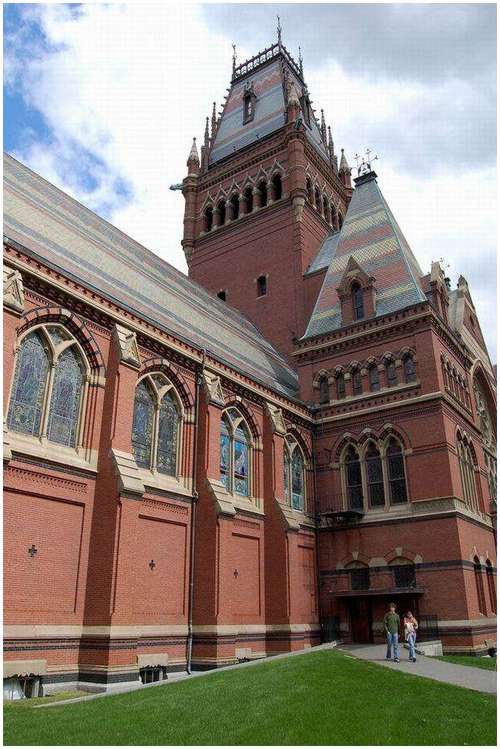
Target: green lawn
pixel 319 698
pixel 470 660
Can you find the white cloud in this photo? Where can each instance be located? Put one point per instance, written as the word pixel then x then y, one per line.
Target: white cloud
pixel 131 84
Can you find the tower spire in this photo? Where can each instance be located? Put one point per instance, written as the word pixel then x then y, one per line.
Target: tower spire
pixel 193 162
pixel 207 135
pixel 214 122
pixel 323 126
pixel 344 169
pixel 234 57
pixel 279 30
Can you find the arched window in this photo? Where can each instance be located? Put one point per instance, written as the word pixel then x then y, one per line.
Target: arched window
pixel 333 216
pixel 358 306
pixel 403 571
pixel 294 474
pixel 248 195
pixel 309 190
pixel 235 206
pixel 325 208
pixel 357 384
pixel 374 379
pixel 410 370
pixel 156 425
pixel 208 218
pixel 324 390
pixel 391 374
pixel 277 187
pixel 340 386
pixel 46 400
pixel 235 453
pixel 396 472
pixel 262 188
pixel 491 586
pixel 478 576
pixel 374 476
pixel 221 207
pixel 262 286
pixel 317 199
pixel 353 480
pixel 341 221
pixel 466 460
pixel 359 574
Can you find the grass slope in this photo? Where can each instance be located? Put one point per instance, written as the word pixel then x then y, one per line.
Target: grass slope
pixel 319 698
pixel 490 664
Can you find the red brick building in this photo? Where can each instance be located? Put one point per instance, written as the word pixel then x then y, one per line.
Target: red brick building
pixel 208 469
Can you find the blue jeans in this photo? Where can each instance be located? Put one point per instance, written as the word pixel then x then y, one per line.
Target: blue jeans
pixel 392 646
pixel 411 645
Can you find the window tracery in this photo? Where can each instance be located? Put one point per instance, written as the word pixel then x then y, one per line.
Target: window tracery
pixel 156 425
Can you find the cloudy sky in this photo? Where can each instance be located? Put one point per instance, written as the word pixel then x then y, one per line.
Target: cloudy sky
pixel 103 100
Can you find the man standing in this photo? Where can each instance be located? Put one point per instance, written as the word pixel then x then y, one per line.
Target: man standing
pixel 391 626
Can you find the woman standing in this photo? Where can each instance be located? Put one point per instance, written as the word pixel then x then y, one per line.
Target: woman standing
pixel 410 626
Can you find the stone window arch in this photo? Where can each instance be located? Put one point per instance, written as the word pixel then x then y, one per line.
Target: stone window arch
pixel 409 368
pixel 294 473
pixel 49 387
pixel 309 190
pixel 325 209
pixel 340 385
pixel 390 372
pixel 248 196
pixel 221 208
pixel 235 206
pixel 324 389
pixel 276 187
pixel 235 452
pixel 467 466
pixel 208 218
pixel 317 199
pixel 357 381
pixel 374 378
pixel 262 193
pixel 156 425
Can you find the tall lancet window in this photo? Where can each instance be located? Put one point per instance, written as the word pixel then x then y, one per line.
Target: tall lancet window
pixel 357 301
pixel 235 453
pixel 156 425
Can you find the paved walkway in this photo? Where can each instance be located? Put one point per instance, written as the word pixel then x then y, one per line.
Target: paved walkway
pixel 479 679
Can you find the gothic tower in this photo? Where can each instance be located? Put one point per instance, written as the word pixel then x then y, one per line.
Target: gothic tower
pixel 263 197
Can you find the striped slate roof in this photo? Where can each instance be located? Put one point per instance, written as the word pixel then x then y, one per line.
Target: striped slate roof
pixel 270 111
pixel 372 236
pixel 325 253
pixel 66 236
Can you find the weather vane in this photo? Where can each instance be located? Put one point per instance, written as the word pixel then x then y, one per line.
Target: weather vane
pixel 366 162
pixel 279 29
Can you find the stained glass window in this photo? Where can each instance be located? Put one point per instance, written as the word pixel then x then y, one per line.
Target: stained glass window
pixel 142 427
pixel 297 480
pixel 65 401
pixel 240 463
pixel 28 389
pixel 286 473
pixel 353 480
pixel 375 477
pixel 225 446
pixel 166 458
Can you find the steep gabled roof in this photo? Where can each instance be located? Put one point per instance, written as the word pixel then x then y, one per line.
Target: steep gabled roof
pixel 371 235
pixel 325 253
pixel 65 235
pixel 265 75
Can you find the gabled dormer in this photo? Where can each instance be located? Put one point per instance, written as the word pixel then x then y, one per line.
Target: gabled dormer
pixel 357 293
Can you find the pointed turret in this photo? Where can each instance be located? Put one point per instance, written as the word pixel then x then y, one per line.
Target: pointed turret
pixel 331 151
pixel 344 170
pixel 193 162
pixel 214 123
pixel 323 126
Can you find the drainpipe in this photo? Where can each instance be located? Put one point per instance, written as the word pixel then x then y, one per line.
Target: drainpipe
pixel 317 533
pixel 199 372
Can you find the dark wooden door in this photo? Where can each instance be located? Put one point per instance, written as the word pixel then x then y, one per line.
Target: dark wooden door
pixel 360 610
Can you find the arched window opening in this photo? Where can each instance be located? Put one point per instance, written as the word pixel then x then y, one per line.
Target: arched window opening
pixel 359 574
pixel 262 286
pixel 222 294
pixel 333 216
pixel 357 301
pixel 29 386
pixel 404 574
pixel 466 461
pixel 262 188
pixel 317 199
pixel 325 209
pixel 341 221
pixel 156 425
pixel 357 384
pixel 234 453
pixel 410 370
pixel 221 207
pixel 294 474
pixel 48 387
pixel 374 378
pixel 235 206
pixel 324 390
pixel 478 576
pixel 208 218
pixel 309 190
pixel 396 472
pixel 340 386
pixel 353 480
pixel 491 586
pixel 66 397
pixel 277 187
pixel 391 374
pixel 375 477
pixel 248 194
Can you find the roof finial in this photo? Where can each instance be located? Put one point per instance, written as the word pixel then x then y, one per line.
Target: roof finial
pixel 323 126
pixel 234 57
pixel 330 143
pixel 214 120
pixel 206 133
pixel 279 30
pixel 300 61
pixel 344 166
